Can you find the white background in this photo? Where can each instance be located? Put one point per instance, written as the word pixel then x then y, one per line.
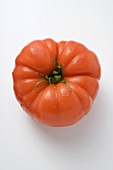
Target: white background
pixel 26 144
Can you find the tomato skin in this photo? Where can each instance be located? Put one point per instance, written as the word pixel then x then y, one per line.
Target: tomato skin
pixel 56 104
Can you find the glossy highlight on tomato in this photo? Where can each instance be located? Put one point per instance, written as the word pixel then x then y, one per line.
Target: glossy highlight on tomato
pixel 56 83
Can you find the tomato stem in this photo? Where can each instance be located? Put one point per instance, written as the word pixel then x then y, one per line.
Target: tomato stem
pixel 64 81
pixel 39 83
pixel 55 77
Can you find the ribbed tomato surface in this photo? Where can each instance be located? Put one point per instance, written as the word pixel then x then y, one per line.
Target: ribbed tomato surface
pixel 56 95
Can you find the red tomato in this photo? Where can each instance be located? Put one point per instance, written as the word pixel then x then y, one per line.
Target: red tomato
pixel 56 83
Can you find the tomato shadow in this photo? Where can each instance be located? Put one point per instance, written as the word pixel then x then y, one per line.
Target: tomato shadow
pixel 84 135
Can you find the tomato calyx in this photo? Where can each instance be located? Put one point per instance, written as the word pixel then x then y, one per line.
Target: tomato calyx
pixel 55 77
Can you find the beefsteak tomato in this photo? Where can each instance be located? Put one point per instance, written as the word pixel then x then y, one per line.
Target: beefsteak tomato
pixel 56 83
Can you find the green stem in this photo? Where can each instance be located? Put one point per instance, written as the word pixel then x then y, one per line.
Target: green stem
pixel 64 81
pixel 44 77
pixel 55 77
pixel 39 83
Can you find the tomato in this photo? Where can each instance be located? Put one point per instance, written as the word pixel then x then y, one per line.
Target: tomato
pixel 56 83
